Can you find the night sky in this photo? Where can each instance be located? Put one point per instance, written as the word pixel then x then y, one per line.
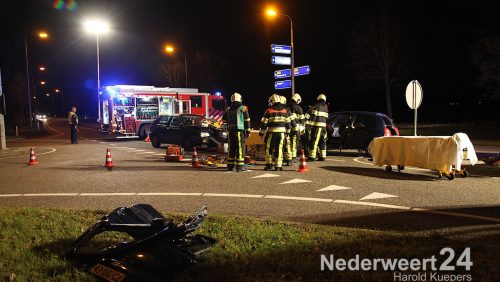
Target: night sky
pixel 238 33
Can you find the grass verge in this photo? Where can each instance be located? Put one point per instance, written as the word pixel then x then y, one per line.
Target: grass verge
pixel 32 239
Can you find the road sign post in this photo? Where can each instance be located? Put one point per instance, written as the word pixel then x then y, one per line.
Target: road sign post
pixel 414 96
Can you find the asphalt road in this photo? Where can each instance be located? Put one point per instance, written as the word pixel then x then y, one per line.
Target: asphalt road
pixel 345 190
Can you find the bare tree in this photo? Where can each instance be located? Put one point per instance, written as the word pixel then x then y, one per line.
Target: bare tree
pixel 171 72
pixel 381 53
pixel 485 53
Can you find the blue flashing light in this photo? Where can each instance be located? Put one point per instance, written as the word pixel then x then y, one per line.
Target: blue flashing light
pixel 218 93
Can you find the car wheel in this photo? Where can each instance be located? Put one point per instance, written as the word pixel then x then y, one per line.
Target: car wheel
pixel 155 141
pixel 187 144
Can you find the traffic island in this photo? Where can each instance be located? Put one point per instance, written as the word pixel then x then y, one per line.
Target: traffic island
pixel 34 240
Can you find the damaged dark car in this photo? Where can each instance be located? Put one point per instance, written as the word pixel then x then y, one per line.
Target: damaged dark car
pixel 188 131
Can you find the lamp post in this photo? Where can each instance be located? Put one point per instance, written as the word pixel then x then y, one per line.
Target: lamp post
pixel 272 13
pixel 97 27
pixel 62 98
pixel 170 49
pixel 42 35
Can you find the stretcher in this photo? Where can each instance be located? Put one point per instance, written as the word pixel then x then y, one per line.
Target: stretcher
pixel 443 154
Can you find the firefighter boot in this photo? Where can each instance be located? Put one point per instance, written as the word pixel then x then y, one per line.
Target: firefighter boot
pixel 269 167
pixel 231 167
pixel 278 169
pixel 240 168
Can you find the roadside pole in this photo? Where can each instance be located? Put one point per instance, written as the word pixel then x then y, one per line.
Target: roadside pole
pixel 3 144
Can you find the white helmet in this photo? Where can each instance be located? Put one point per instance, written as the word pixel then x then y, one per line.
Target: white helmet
pixel 296 97
pixel 322 97
pixel 283 100
pixel 275 98
pixel 236 97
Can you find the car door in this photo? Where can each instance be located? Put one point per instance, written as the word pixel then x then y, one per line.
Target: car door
pixel 364 127
pixel 161 128
pixel 174 131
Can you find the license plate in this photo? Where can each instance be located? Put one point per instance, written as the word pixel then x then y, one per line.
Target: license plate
pixel 107 273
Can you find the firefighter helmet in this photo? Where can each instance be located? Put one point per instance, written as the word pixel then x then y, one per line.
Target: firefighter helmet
pixel 296 97
pixel 283 100
pixel 275 98
pixel 236 97
pixel 322 97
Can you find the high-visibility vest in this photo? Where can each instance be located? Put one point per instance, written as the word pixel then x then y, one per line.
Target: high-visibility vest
pixel 70 118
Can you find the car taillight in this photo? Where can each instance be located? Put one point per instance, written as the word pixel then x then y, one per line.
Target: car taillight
pixel 387 132
pixel 397 130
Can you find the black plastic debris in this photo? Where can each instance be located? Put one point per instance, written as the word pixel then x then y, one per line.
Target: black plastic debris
pixel 159 248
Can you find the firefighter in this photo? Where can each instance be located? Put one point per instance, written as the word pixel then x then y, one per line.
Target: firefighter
pixel 287 148
pixel 317 121
pixel 238 125
pixel 73 123
pixel 306 134
pixel 275 126
pixel 298 129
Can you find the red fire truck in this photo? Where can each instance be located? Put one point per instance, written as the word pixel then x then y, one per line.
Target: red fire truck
pixel 129 110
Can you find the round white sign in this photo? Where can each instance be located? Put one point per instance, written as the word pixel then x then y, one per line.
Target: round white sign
pixel 414 94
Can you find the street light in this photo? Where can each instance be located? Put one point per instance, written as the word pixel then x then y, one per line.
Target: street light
pixel 62 96
pixel 41 68
pixel 97 27
pixel 42 82
pixel 170 49
pixel 42 35
pixel 271 12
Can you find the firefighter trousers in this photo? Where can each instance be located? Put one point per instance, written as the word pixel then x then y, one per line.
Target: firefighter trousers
pixel 274 148
pixel 294 137
pixel 236 144
pixel 317 142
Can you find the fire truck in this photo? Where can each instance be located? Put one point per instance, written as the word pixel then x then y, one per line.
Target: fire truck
pixel 129 110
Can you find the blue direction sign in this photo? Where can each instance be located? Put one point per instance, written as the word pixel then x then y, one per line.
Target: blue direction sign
pixel 279 60
pixel 282 84
pixel 301 70
pixel 279 74
pixel 281 49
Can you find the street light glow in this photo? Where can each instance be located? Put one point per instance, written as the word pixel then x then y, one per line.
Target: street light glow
pixel 42 82
pixel 57 90
pixel 169 49
pixel 42 68
pixel 96 26
pixel 47 94
pixel 271 12
pixel 43 35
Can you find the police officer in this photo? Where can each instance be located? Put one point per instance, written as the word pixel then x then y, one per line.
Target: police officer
pixel 73 123
pixel 317 121
pixel 275 126
pixel 287 148
pixel 298 116
pixel 238 125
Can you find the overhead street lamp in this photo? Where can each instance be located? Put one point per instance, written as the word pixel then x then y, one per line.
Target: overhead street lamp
pixel 271 12
pixel 62 97
pixel 42 35
pixel 170 49
pixel 97 27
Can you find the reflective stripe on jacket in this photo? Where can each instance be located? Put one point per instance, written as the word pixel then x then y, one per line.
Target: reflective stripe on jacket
pixel 72 118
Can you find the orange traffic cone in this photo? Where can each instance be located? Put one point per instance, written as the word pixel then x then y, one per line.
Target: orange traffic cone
pixel 33 160
pixel 109 161
pixel 194 160
pixel 303 165
pixel 147 139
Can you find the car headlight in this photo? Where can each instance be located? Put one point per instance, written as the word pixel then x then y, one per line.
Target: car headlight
pixel 204 134
pixel 44 116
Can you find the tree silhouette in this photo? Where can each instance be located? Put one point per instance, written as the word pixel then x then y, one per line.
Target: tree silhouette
pixel 380 52
pixel 485 53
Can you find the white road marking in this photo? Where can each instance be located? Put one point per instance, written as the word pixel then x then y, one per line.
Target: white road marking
pixel 121 148
pixel 232 195
pixel 169 194
pixel 146 153
pixel 296 180
pixel 377 195
pixel 102 142
pixel 52 150
pixel 333 188
pixel 138 150
pixel 93 140
pixel 334 160
pixel 112 144
pixel 50 194
pixel 265 175
pixel 159 154
pixel 107 194
pixel 485 218
pixel 298 198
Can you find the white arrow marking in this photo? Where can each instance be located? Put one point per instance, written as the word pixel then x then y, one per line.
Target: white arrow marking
pixel 377 195
pixel 333 188
pixel 266 175
pixel 296 180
